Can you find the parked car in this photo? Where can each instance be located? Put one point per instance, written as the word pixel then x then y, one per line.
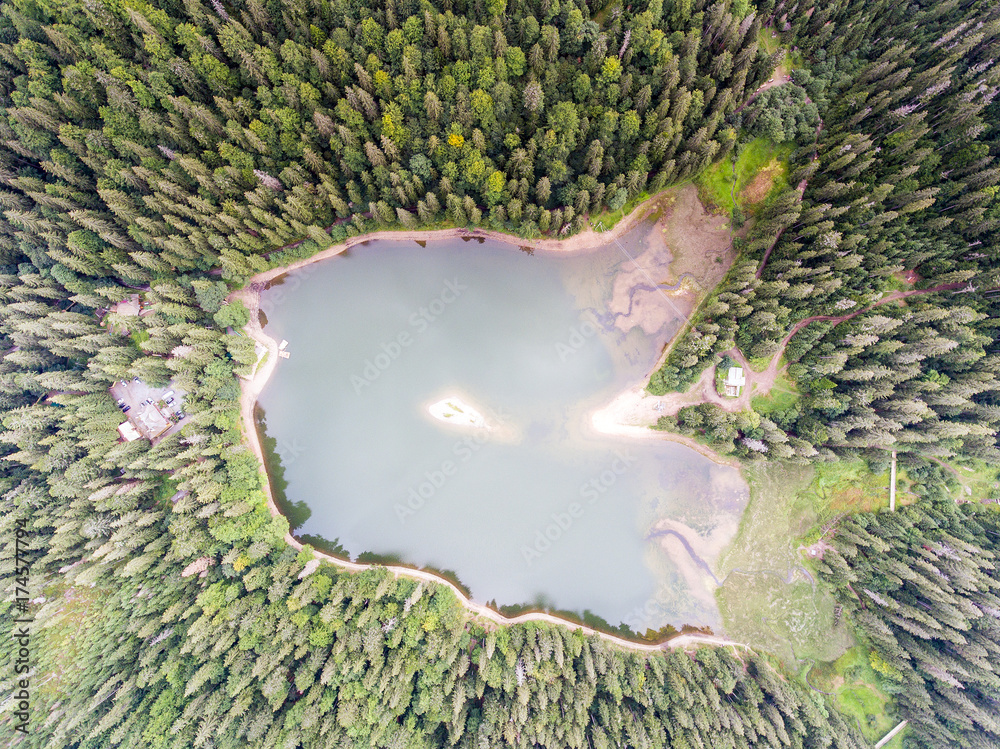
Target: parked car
pixel 126 409
pixel 120 403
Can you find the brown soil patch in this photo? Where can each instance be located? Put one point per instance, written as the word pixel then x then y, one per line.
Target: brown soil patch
pixel 701 242
pixel 817 550
pixel 685 252
pixel 856 499
pixel 848 500
pixel 761 184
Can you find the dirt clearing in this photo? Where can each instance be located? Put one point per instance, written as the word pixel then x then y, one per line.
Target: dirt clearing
pixel 762 183
pixel 701 242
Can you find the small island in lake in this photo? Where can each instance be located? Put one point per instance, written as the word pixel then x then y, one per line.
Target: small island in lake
pixel 454 410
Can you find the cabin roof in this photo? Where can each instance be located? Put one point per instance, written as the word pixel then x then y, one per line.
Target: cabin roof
pixel 128 431
pixel 736 378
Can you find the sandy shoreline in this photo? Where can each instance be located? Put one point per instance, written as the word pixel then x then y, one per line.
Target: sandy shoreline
pixel 633 414
pixel 615 419
pixel 588 239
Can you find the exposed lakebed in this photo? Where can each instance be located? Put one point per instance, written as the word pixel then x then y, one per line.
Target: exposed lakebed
pixel 538 509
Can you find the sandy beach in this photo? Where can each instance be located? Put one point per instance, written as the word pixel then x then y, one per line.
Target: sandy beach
pixel 634 413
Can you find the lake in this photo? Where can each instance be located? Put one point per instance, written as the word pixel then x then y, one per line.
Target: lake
pixel 543 510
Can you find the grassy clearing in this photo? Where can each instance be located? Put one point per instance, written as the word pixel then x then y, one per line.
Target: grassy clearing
pixel 783 396
pixel 608 219
pixel 972 480
pixel 139 337
pixel 715 186
pixel 759 159
pixel 63 626
pixel 773 599
pixel 166 489
pixel 895 283
pixel 602 16
pixel 720 380
pixel 858 694
pixel 769 598
pixel 849 487
pixel 768 40
pixel 897 740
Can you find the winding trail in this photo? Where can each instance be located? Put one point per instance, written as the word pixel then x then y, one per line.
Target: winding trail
pixel 778 77
pixel 253 385
pixel 764 381
pixel 890 297
pixel 958 477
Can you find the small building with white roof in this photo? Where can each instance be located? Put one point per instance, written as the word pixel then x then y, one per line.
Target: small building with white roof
pixel 735 380
pixel 128 432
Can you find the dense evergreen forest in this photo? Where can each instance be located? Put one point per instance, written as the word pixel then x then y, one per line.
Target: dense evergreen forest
pixel 875 272
pixel 175 148
pixel 925 587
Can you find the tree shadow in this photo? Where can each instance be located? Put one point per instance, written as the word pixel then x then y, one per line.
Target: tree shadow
pixel 297 513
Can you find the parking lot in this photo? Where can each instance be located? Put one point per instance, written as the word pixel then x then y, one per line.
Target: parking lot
pixel 148 409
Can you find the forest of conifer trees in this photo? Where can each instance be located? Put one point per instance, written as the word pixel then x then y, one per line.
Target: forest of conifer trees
pixel 174 148
pixel 900 180
pixel 925 588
